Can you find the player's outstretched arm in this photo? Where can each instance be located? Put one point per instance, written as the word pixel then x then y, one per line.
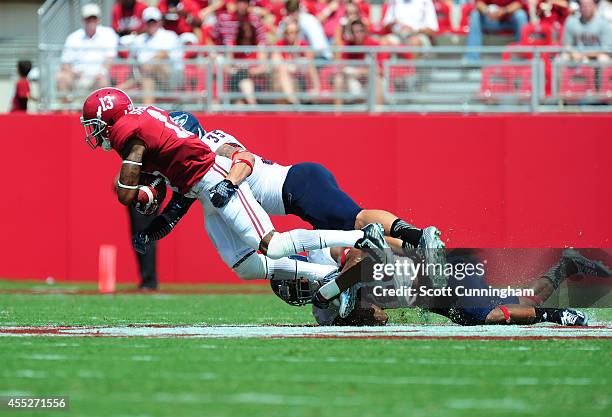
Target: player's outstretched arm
pixel 164 223
pixel 127 185
pixel 242 166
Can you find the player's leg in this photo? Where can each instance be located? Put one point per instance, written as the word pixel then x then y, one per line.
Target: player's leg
pixel 247 264
pixel 312 193
pixel 245 216
pixel 571 263
pixel 257 266
pixel 354 269
pixel 523 314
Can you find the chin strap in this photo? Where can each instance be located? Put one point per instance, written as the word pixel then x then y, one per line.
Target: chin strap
pixel 106 145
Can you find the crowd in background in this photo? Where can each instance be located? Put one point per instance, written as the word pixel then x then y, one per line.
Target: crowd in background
pixel 163 28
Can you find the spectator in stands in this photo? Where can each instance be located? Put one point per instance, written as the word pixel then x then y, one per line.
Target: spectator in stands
pixel 180 16
pixel 158 53
pixel 495 16
pixel 188 39
pixel 86 55
pixel 294 70
pixel 207 13
pixel 589 30
pixel 245 77
pixel 364 10
pixel 275 12
pixel 410 22
pixel 310 28
pixel 127 16
pixel 225 30
pixel 329 13
pixel 553 12
pixel 351 78
pixel 605 8
pixel 22 88
pixel 343 31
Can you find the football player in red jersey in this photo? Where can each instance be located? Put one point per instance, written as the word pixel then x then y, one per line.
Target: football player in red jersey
pixel 149 141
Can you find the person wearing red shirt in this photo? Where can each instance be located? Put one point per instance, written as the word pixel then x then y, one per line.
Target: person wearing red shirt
pixel 127 16
pixel 353 78
pixel 329 14
pixel 293 70
pixel 22 88
pixel 180 16
pixel 343 33
pixel 494 16
pixel 553 12
pixel 225 30
pixel 246 77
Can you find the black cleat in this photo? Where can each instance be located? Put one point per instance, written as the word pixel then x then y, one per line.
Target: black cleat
pixel 148 285
pixel 348 300
pixel 579 264
pixel 373 242
pixel 432 250
pixel 570 317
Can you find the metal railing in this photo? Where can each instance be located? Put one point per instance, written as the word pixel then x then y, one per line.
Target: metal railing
pixel 358 79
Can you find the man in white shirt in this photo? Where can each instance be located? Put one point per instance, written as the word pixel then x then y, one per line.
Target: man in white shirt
pixel 87 52
pixel 411 22
pixel 158 52
pixel 588 30
pixel 310 27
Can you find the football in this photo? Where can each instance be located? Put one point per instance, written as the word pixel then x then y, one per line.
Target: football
pixel 151 193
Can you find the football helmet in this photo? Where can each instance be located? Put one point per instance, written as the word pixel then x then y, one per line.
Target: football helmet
pixel 295 292
pixel 101 110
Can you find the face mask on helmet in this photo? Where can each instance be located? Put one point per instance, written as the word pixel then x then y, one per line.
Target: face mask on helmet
pixel 294 292
pixel 96 133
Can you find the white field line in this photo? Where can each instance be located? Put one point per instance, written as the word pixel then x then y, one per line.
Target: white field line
pixel 251 331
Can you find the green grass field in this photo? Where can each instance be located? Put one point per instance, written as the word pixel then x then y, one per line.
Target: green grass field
pixel 139 376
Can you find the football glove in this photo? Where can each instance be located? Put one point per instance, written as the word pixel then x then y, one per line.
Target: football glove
pixel 222 193
pixel 141 242
pixel 146 200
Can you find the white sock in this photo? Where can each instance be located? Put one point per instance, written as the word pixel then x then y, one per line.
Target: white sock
pixel 286 268
pixel 301 240
pixel 329 290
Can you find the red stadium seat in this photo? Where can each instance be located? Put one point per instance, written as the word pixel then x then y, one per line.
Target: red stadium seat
pixel 606 83
pixel 195 78
pixel 466 10
pixel 399 75
pixel 443 12
pixel 505 81
pixel 577 82
pixel 326 80
pixel 120 73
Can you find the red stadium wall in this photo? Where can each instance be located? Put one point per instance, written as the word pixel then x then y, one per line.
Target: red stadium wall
pixel 486 181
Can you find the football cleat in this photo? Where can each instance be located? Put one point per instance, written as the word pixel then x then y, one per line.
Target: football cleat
pixel 373 242
pixel 319 301
pixel 348 299
pixel 579 264
pixel 574 318
pixel 432 249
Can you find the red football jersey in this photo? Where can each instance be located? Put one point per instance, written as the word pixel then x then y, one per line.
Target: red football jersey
pixel 178 154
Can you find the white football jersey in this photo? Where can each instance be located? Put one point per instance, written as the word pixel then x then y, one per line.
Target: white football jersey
pixel 266 180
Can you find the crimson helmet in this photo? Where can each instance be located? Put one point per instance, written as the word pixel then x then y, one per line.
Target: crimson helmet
pixel 102 109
